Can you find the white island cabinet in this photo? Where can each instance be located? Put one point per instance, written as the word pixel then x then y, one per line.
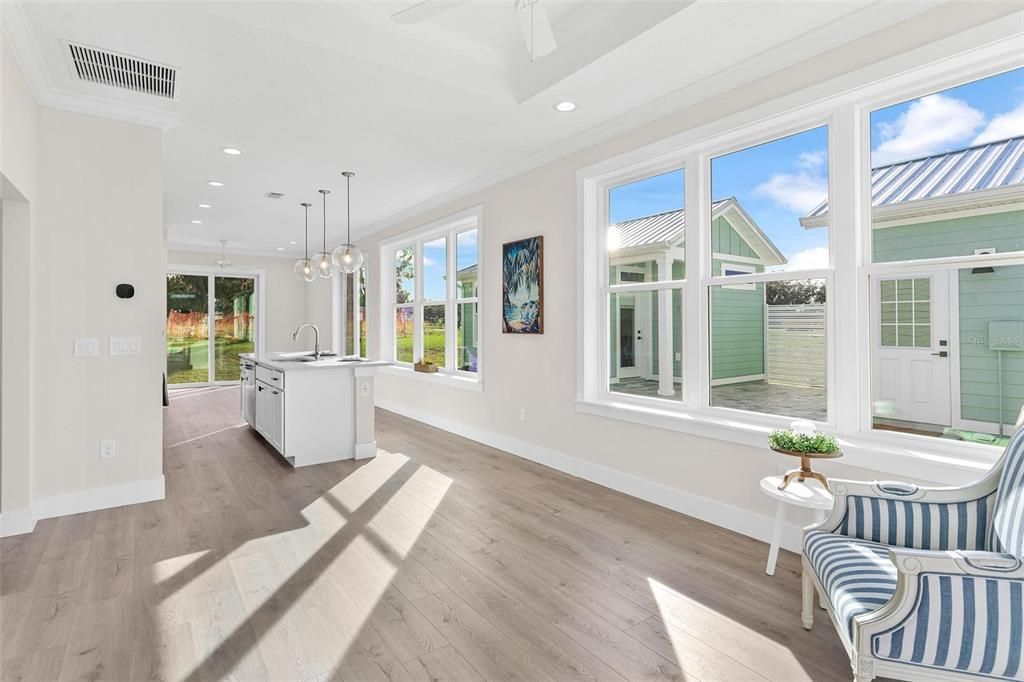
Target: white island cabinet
pixel 311 411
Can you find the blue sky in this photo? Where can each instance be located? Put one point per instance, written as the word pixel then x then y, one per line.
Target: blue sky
pixel 434 256
pixel 779 181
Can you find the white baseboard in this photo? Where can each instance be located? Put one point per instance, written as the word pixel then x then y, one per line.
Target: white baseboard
pixel 99 498
pixel 736 519
pixel 16 522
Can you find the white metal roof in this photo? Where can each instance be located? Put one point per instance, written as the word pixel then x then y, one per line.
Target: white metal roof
pixel 989 166
pixel 660 228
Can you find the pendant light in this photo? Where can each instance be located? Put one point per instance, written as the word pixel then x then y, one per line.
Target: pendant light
pixel 303 266
pixel 322 261
pixel 347 257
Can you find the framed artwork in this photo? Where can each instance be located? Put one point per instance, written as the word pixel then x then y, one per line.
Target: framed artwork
pixel 522 286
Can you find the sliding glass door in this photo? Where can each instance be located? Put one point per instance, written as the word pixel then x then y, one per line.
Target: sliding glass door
pixel 201 307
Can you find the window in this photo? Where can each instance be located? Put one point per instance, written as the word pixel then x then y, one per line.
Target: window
pixel 768 343
pixel 646 271
pixel 198 304
pixel 946 355
pixel 435 305
pixel 353 313
pixel 884 304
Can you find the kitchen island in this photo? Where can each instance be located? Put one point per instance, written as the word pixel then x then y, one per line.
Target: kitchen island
pixel 310 410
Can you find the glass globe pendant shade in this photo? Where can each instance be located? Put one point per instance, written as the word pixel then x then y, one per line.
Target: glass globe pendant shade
pixel 304 270
pixel 323 264
pixel 347 258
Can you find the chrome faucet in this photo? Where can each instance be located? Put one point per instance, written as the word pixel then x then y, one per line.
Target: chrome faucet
pixel 316 342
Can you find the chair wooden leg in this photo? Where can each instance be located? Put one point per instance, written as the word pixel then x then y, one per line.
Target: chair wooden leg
pixel 807 594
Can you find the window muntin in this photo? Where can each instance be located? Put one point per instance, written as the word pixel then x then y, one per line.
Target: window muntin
pixel 435 300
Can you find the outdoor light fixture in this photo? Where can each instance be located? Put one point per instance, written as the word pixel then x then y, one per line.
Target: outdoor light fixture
pixel 303 266
pixel 347 257
pixel 322 261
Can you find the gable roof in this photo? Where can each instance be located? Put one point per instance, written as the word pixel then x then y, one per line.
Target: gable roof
pixel 990 166
pixel 663 230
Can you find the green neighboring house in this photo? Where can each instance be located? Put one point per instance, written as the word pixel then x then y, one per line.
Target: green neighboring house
pixel 959 203
pixel 644 250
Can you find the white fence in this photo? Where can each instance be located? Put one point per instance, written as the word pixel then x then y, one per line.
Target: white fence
pixel 795 345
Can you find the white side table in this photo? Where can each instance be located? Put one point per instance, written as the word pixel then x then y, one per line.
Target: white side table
pixel 808 494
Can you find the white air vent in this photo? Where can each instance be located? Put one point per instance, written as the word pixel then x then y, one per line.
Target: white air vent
pixel 122 71
pixel 274 195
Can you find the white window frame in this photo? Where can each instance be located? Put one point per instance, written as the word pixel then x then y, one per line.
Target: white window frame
pixel 339 292
pixel 740 269
pixel 211 272
pixel 449 228
pixel 844 104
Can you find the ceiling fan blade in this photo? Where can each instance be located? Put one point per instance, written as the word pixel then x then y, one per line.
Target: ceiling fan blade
pixel 422 11
pixel 536 28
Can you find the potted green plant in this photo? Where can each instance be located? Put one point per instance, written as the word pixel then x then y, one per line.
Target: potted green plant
pixel 806 444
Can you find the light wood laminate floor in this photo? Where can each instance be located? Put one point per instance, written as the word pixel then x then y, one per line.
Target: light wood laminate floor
pixel 440 559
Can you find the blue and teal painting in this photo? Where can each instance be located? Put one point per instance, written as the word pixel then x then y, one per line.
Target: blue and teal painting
pixel 522 280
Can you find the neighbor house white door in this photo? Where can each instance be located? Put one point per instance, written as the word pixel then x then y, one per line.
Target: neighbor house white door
pixel 910 330
pixel 633 335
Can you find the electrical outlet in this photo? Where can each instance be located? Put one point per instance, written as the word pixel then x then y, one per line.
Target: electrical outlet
pixel 522 414
pixel 107 449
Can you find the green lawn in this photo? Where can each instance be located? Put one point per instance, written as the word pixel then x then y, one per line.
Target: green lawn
pixel 188 359
pixel 433 345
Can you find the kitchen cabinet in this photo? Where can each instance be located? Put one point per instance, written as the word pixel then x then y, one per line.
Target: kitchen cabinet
pixel 270 414
pixel 311 411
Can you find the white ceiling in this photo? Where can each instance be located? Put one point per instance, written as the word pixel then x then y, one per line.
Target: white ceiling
pixel 307 90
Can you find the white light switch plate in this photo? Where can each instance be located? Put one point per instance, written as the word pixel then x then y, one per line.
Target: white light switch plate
pixel 87 348
pixel 125 345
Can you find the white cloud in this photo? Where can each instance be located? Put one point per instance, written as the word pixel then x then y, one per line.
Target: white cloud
pixel 799 192
pixel 812 160
pixel 809 259
pixel 1009 124
pixel 930 125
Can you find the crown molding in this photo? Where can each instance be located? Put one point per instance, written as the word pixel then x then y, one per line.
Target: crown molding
pixel 15 26
pixel 995 32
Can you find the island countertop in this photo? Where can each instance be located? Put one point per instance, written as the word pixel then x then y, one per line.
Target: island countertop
pixel 282 362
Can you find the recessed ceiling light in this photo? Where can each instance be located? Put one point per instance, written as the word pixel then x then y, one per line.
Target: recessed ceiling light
pixel 565 106
pixel 214 183
pixel 231 151
pixel 293 243
pixel 203 205
pixel 280 248
pixel 197 222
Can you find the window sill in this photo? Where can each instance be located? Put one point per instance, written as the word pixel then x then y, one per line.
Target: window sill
pixel 440 378
pixel 926 459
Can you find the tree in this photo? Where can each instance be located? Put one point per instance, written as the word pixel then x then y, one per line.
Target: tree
pixel 404 270
pixel 795 292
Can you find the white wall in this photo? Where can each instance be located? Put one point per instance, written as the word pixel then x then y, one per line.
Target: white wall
pixel 18 114
pixel 99 222
pixel 86 214
pixel 710 478
pixel 286 296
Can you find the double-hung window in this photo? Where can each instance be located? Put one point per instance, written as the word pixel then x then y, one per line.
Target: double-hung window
pixel 857 262
pixel 433 277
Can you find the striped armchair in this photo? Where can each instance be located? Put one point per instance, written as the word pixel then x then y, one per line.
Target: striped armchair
pixel 925 583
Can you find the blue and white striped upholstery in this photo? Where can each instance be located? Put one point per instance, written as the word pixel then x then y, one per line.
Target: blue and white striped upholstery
pixel 919 525
pixel 857 575
pixel 1008 519
pixel 964 623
